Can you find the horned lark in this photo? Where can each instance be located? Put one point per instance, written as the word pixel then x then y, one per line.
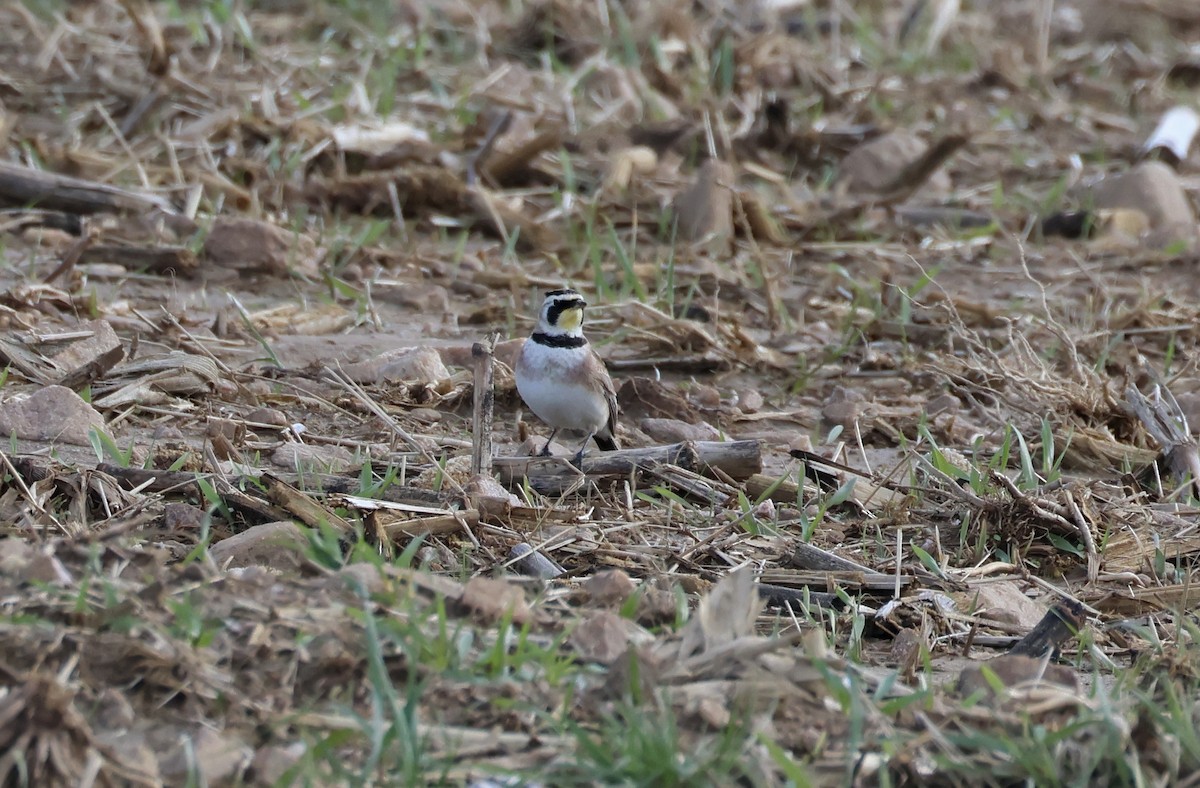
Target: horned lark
pixel 561 378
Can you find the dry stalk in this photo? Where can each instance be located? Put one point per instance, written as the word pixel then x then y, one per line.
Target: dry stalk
pixel 484 402
pixel 343 380
pixel 1085 534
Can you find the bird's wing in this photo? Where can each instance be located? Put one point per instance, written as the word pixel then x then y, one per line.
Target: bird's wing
pixel 610 392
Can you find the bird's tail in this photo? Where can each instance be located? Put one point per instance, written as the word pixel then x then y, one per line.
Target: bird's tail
pixel 606 442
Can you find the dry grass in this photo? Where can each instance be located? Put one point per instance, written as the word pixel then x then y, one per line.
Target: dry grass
pixel 266 196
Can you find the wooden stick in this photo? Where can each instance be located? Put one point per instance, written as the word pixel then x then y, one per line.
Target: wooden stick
pixel 399 527
pixel 947 216
pixel 915 173
pixel 1164 419
pixel 330 484
pixel 693 484
pixel 807 556
pixel 21 187
pixel 736 459
pixel 498 127
pixel 156 260
pixel 302 505
pixel 782 596
pixel 72 255
pixel 785 492
pixel 856 580
pixel 503 167
pixel 16 219
pixel 484 356
pixel 29 364
pixel 530 562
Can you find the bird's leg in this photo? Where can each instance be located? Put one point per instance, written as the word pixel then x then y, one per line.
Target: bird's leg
pixel 577 460
pixel 545 452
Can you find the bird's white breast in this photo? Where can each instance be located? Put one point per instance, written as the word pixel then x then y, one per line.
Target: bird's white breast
pixel 553 385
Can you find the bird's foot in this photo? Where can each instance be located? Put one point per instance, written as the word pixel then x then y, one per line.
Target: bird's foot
pixel 545 452
pixel 577 460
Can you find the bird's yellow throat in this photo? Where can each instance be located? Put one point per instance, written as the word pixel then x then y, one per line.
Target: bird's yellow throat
pixel 570 319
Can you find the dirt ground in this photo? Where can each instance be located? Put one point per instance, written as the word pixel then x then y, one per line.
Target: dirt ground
pixel 901 306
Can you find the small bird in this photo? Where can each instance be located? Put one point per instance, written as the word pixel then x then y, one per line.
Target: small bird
pixel 561 378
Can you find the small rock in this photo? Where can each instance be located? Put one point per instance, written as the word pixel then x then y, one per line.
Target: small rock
pixel 457 469
pixel 132 750
pixel 1189 403
pixel 425 415
pixel 676 431
pixel 1002 600
pixel 602 637
pixel 714 712
pixel 257 388
pixel 493 600
pixel 51 413
pixel 705 396
pixel 355 271
pixel 253 246
pixel 843 413
pixel 230 430
pixel 272 417
pixel 45 568
pixel 943 403
pixel 279 545
pixel 15 555
pixel 182 517
pixel 844 407
pixel 490 496
pixel 765 510
pixel 801 442
pixel 872 166
pixel 411 365
pixel 906 650
pixel 101 352
pixel 255 577
pixel 958 460
pixel 424 297
pixel 750 401
pixel 655 607
pixel 301 457
pixel 360 574
pixel 218 757
pixel 113 710
pixel 272 762
pixel 167 432
pixel 609 587
pixel 1013 669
